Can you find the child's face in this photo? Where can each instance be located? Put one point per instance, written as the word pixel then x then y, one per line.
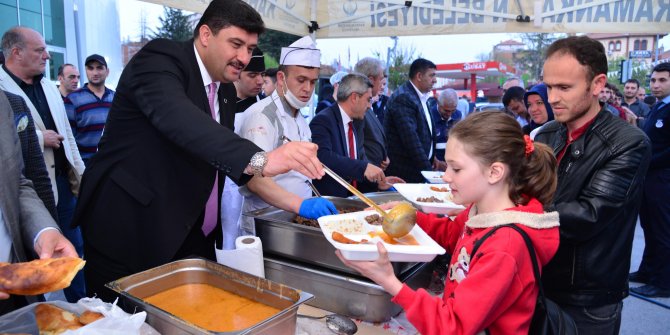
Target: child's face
pixel 465 175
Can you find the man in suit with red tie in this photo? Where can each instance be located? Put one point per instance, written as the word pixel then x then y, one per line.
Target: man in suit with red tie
pixel 338 137
pixel 151 193
pixel 654 270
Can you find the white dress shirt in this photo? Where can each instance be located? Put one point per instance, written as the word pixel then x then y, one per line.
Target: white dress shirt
pixel 345 121
pixel 424 99
pixel 207 79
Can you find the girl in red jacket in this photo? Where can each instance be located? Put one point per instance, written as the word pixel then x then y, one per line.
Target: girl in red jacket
pixel 504 178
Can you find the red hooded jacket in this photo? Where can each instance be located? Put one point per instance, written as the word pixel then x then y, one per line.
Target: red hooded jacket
pixel 496 289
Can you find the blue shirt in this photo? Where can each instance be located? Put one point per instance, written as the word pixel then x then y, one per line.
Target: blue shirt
pixel 87 114
pixel 442 128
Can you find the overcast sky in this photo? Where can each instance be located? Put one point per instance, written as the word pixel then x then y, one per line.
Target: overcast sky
pixel 439 49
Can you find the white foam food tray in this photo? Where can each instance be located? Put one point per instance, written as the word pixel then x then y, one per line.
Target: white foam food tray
pixel 354 226
pixel 412 192
pixel 433 177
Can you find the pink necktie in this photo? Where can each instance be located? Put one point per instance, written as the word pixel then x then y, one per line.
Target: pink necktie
pixel 352 149
pixel 212 208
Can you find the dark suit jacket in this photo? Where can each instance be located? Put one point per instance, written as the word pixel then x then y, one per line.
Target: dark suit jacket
pixel 375 139
pixel 657 128
pixel 147 186
pixel 379 107
pixel 329 134
pixel 34 167
pixel 408 137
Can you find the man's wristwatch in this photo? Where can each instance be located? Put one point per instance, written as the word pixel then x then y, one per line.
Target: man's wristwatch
pixel 258 162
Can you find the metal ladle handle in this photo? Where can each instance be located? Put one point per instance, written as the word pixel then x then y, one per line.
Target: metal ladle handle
pixel 353 190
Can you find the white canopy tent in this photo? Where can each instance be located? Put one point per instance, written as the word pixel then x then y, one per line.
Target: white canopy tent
pixel 352 18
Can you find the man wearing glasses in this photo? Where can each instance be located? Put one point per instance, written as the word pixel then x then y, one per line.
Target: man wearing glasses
pixel 340 138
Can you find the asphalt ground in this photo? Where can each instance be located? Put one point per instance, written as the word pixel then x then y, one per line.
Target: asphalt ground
pixel 640 316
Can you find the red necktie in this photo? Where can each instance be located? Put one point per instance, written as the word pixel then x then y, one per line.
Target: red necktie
pixel 212 207
pixel 352 147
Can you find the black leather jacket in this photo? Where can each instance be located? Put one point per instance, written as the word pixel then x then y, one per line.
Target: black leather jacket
pixel 600 180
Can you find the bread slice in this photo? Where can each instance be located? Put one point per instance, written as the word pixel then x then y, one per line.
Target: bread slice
pixel 39 276
pixel 53 320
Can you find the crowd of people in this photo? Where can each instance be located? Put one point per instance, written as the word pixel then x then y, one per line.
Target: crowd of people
pixel 200 131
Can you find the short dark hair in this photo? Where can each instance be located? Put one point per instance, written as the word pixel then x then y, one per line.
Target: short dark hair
pixel 62 67
pixel 420 65
pixel 634 81
pixel 222 14
pixel 272 73
pixel 587 51
pixel 513 93
pixel 352 83
pixel 662 67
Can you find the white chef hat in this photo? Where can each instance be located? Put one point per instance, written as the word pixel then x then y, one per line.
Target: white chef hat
pixel 337 77
pixel 302 52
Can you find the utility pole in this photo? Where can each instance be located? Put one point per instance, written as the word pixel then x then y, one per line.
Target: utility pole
pixel 389 52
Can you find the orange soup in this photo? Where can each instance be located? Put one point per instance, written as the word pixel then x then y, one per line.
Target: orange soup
pixel 405 240
pixel 211 308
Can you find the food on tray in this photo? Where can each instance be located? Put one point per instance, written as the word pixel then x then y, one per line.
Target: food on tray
pixel 439 189
pixel 212 308
pixel 314 223
pixel 53 320
pixel 346 226
pixel 430 199
pixel 374 219
pixel 38 276
pixel 405 240
pixel 338 237
pixel 89 317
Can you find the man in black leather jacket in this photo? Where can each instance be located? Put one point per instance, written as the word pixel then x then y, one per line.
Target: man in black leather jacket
pixel 602 163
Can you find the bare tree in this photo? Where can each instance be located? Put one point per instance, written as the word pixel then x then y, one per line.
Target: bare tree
pixel 533 56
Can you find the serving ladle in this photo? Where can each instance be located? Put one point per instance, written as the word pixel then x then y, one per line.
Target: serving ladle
pixel 338 324
pixel 398 222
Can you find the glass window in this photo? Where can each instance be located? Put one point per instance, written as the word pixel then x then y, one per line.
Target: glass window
pixel 610 47
pixel 643 45
pixel 618 45
pixel 30 14
pixel 8 14
pixel 57 59
pixel 636 45
pixel 54 22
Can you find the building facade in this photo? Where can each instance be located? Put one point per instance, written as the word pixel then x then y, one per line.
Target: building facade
pixel 72 30
pixel 641 47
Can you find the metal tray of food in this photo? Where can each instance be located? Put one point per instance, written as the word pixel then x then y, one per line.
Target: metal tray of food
pixel 135 288
pixel 353 296
pixel 282 236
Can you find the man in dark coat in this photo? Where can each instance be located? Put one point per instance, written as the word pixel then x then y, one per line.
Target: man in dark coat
pixel 340 138
pixel 151 194
pixel 655 211
pixel 409 126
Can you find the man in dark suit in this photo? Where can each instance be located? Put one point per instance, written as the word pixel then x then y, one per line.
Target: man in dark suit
pixel 25 224
pixel 34 168
pixel 654 270
pixel 338 137
pixel 151 193
pixel 408 125
pixel 379 107
pixel 375 140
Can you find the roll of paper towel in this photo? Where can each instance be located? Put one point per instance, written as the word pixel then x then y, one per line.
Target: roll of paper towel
pixel 247 256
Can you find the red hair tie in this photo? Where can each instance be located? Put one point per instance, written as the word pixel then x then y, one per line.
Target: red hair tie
pixel 529 145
